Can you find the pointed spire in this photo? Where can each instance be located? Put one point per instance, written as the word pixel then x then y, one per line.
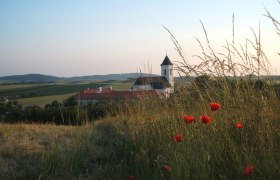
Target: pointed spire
pixel 166 61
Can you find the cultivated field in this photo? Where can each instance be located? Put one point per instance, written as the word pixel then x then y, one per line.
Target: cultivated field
pixel 43 100
pixel 41 94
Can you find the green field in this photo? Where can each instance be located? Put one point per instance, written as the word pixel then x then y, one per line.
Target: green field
pixel 8 87
pixel 47 89
pixel 43 100
pixel 41 94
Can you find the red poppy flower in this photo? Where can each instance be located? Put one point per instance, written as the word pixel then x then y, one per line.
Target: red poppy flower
pixel 149 118
pixel 214 106
pixel 248 170
pixel 167 168
pixel 132 178
pixel 188 119
pixel 205 119
pixel 178 137
pixel 239 125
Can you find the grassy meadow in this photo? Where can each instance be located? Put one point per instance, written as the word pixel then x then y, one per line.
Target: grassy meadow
pixel 153 138
pixel 144 144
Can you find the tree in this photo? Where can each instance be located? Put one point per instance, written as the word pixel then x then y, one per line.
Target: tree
pixel 70 102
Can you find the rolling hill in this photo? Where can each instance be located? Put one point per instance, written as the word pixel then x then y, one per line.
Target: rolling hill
pixel 39 78
pixel 29 78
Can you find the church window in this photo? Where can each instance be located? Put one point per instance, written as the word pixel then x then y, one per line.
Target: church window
pixel 165 72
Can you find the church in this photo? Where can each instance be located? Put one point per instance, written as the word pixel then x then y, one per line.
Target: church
pixel 163 84
pixel 143 87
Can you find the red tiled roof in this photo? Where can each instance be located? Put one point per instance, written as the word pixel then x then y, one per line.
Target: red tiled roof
pixel 117 94
pixel 106 90
pixel 103 90
pixel 90 96
pixel 89 91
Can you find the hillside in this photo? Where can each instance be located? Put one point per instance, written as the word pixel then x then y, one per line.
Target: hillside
pixel 40 78
pixel 29 78
pixel 109 77
pixel 34 78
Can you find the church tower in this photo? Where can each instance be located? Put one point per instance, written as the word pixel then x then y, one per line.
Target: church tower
pixel 167 70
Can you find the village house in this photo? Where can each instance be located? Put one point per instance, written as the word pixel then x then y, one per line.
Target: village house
pixel 143 87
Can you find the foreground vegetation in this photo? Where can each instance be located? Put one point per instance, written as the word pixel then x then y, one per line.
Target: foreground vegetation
pixel 170 141
pixel 44 151
pixel 145 144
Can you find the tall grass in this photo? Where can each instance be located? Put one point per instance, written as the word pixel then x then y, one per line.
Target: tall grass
pixel 217 150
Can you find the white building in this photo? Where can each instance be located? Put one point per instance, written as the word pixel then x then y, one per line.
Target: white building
pixel 163 84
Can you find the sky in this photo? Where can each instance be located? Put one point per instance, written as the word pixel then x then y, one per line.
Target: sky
pixel 87 37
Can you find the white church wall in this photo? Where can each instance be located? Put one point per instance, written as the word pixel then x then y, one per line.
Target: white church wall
pixel 167 71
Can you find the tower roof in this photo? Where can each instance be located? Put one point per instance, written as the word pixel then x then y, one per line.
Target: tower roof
pixel 166 61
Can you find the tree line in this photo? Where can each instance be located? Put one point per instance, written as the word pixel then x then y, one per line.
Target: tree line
pixel 65 113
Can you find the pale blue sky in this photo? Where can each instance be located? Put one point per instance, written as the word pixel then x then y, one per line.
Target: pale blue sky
pixel 86 37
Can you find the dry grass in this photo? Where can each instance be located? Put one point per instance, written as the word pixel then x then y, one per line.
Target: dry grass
pixel 22 147
pixel 59 152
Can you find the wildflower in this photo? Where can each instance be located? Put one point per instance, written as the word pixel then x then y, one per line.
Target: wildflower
pixel 178 137
pixel 132 178
pixel 149 118
pixel 188 119
pixel 248 170
pixel 214 106
pixel 205 119
pixel 239 125
pixel 167 168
